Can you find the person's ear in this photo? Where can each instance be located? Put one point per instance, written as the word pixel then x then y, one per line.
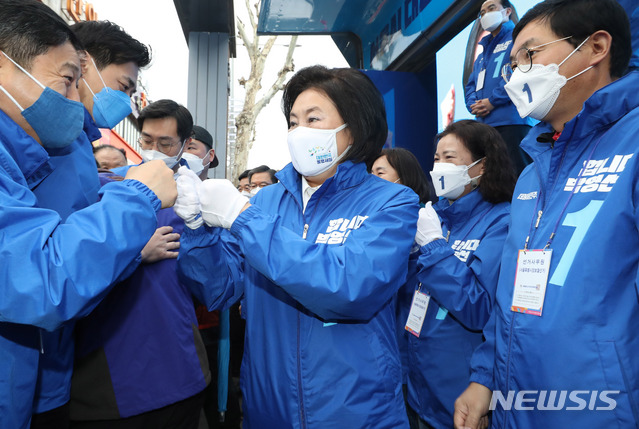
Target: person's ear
pixel 509 12
pixel 600 45
pixel 84 62
pixel 211 155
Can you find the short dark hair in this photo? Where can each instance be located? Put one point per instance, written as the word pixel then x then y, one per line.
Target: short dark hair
pixel 244 175
pixel 102 147
pixel 109 44
pixel 580 19
pixel 263 169
pixel 357 100
pixel 409 171
pixel 29 28
pixel 483 141
pixel 505 4
pixel 165 109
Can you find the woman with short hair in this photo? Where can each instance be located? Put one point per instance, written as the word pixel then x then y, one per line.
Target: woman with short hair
pixel 318 257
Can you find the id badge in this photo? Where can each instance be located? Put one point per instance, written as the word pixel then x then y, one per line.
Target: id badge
pixel 417 313
pixel 531 280
pixel 480 80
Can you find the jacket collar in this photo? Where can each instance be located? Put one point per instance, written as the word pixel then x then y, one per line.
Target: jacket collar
pixel 603 108
pixel 31 158
pixel 348 175
pixel 461 210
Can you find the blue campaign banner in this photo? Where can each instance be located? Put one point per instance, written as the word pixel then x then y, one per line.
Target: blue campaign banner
pixel 411 110
pixel 386 28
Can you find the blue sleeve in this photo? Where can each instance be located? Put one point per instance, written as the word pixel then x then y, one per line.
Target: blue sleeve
pixel 53 271
pixel 466 291
pixel 482 362
pixel 469 89
pixel 348 282
pixel 211 266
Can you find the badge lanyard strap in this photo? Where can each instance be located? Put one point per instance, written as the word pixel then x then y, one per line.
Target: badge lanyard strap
pixel 563 211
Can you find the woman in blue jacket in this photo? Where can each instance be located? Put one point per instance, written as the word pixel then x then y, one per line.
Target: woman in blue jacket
pixel 457 275
pixel 318 257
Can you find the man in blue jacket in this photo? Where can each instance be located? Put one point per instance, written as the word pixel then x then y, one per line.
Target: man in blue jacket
pixel 561 346
pixel 53 270
pixel 109 76
pixel 140 360
pixel 485 94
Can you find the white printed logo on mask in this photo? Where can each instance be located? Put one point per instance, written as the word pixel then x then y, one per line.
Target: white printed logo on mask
pixel 313 150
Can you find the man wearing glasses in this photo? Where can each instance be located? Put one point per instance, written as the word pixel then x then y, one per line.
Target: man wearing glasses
pixel 561 346
pixel 165 128
pixel 140 360
pixel 485 94
pixel 261 177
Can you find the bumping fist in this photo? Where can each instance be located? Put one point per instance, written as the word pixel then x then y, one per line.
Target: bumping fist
pixel 187 205
pixel 158 178
pixel 221 203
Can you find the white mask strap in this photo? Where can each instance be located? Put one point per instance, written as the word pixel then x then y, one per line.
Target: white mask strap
pixel 90 90
pixel 11 98
pixel 474 163
pixel 340 128
pixel 99 74
pixel 208 155
pixel 583 71
pixel 575 50
pixel 23 70
pixel 343 153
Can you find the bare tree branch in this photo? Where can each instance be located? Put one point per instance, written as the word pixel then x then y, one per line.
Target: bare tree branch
pixel 241 31
pixel 245 120
pixel 268 46
pixel 281 77
pixel 252 18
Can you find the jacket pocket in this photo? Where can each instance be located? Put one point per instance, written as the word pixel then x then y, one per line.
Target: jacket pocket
pixel 620 398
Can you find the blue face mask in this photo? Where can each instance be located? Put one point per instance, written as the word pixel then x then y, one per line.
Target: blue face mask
pixel 56 120
pixel 110 106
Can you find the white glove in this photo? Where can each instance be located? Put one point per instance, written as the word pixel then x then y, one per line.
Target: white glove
pixel 221 202
pixel 429 226
pixel 187 205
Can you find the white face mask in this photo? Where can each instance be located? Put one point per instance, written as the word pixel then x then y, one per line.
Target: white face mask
pixel 450 179
pixel 194 162
pixel 170 161
pixel 246 194
pixel 255 190
pixel 313 151
pixel 535 92
pixel 491 20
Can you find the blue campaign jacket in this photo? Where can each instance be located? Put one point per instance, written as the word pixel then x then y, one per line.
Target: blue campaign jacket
pixel 586 338
pixel 140 349
pixel 461 277
pixel 74 170
pixel 496 53
pixel 320 348
pixel 54 271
